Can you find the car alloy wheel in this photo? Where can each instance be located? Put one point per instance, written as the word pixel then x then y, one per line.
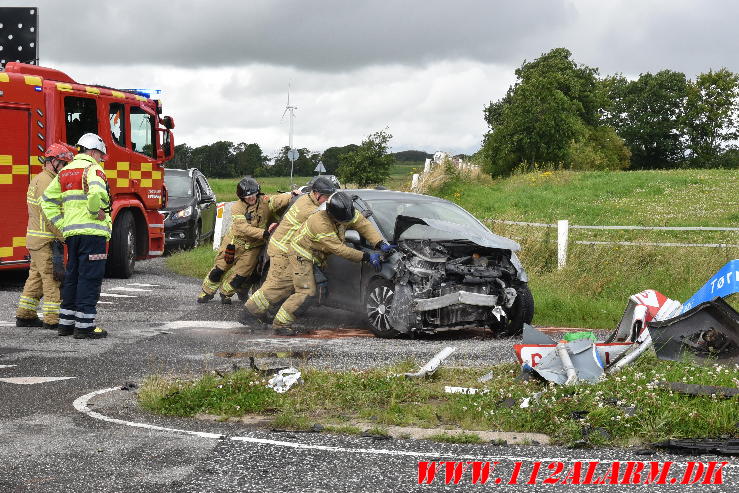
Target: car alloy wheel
pixel 379 301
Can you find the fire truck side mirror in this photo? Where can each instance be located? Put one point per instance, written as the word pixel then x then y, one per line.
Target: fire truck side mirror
pixel 167 122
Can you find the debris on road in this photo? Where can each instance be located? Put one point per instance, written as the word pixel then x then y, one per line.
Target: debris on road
pixel 700 390
pixel 434 363
pixel 707 334
pixel 284 379
pixel 463 390
pixel 706 446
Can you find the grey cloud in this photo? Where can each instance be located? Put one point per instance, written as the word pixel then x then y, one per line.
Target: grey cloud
pixel 326 35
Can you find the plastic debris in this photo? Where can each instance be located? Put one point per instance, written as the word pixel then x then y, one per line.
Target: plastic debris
pixel 284 379
pixel 462 390
pixel 574 336
pixel 486 377
pixel 705 390
pixel 707 446
pixel 434 363
pixel 708 334
pixel 571 362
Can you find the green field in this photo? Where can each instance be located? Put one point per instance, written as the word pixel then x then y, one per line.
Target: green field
pixel 225 188
pixel 593 289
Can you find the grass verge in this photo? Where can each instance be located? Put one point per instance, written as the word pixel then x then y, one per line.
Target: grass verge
pixel 625 409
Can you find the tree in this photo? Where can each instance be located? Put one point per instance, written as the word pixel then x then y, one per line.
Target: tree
pixel 182 157
pixel 370 163
pixel 648 114
pixel 330 157
pixel 249 160
pixel 552 104
pixel 711 116
pixel 412 156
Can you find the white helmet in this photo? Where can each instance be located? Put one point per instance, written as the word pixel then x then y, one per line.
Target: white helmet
pixel 93 141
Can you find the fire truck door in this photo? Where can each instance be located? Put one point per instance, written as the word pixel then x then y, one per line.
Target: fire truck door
pixel 14 178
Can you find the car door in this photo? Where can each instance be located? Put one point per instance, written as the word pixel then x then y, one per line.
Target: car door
pixel 207 206
pixel 344 282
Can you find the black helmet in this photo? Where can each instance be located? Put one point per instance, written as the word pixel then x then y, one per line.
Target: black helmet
pixel 247 186
pixel 323 186
pixel 340 207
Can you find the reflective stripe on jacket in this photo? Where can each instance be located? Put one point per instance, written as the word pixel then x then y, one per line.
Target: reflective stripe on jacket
pixel 40 231
pixel 320 236
pixel 248 222
pixel 71 208
pixel 291 223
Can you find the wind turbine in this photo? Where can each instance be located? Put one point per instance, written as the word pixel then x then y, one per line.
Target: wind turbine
pixel 292 153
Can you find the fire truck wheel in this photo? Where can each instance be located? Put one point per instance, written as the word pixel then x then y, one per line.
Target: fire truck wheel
pixel 122 249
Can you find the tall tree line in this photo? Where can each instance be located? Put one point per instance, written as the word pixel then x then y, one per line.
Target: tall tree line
pixel 562 114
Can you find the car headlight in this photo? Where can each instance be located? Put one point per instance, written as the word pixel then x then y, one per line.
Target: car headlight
pixel 184 212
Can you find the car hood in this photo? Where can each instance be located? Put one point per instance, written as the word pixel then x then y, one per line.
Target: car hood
pixel 177 203
pixel 413 228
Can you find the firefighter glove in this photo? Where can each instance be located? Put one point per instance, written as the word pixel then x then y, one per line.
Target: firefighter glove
pixel 387 248
pixel 265 235
pixel 374 260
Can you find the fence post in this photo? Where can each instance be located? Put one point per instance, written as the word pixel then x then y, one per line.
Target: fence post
pixel 414 182
pixel 563 231
pixel 217 232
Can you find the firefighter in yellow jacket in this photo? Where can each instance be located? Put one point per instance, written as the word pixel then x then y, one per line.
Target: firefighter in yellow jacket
pixel 321 235
pixel 40 236
pixel 251 218
pixel 274 288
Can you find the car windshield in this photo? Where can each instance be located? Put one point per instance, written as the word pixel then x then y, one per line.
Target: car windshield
pixel 385 212
pixel 178 185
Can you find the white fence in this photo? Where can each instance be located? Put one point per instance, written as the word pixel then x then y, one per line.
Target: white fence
pixel 563 233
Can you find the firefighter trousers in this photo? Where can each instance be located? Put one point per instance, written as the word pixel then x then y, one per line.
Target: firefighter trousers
pixel 229 277
pixel 40 284
pixel 289 277
pixel 83 278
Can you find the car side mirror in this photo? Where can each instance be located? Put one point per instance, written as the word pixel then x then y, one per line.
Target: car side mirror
pixel 352 236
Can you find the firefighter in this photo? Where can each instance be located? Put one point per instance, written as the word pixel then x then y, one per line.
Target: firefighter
pixel 84 220
pixel 321 235
pixel 278 284
pixel 253 217
pixel 40 236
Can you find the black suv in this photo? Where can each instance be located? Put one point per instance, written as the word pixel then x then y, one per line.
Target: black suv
pixel 190 214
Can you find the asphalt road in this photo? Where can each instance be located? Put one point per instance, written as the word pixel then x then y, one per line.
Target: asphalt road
pixel 56 436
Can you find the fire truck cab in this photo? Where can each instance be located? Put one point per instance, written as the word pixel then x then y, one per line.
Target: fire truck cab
pixel 40 106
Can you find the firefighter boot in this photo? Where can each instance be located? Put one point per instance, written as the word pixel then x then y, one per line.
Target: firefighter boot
pixel 204 297
pixel 28 322
pixel 90 333
pixel 225 300
pixel 51 326
pixel 289 330
pixel 65 330
pixel 250 320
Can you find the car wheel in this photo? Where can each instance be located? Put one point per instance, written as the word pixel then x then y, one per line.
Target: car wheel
pixel 122 249
pixel 522 311
pixel 379 301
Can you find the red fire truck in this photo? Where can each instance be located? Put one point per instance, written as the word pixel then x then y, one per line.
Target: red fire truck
pixel 39 106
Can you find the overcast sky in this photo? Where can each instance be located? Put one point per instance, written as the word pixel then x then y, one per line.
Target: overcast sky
pixel 422 68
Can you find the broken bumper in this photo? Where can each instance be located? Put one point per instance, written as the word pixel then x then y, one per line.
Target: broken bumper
pixel 456 298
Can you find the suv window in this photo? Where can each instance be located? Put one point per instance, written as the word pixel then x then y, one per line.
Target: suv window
pixel 117 123
pixel 142 132
pixel 81 117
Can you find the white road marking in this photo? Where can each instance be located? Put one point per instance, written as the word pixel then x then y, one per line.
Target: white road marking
pixel 143 285
pixel 7 324
pixel 133 290
pixel 114 295
pixel 200 324
pixel 7 366
pixel 80 404
pixel 32 380
pixel 105 303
